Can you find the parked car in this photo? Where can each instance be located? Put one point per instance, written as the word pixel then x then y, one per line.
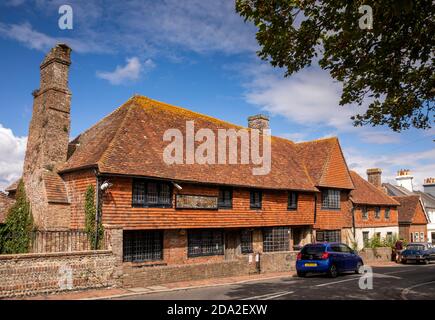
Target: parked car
pixel 329 258
pixel 419 252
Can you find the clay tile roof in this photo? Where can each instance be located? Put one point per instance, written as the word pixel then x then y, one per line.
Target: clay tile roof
pixel 325 163
pixel 408 207
pixel 5 204
pixel 366 193
pixel 13 186
pixel 55 188
pixel 129 141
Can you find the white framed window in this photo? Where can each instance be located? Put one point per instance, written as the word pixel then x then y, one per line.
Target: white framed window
pixel 416 237
pixel 421 236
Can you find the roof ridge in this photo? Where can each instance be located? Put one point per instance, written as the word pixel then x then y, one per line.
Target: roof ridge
pixel 372 186
pixel 121 125
pixel 318 140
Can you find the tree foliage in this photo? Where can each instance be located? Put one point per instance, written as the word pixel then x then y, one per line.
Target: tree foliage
pixel 90 212
pixel 15 235
pixel 390 68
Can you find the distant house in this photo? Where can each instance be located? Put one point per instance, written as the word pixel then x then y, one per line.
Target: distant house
pixel 405 187
pixel 413 219
pixel 374 213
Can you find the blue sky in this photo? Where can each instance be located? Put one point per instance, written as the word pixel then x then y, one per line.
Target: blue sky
pixel 198 54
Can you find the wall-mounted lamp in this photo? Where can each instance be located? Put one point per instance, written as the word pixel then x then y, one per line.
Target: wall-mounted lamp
pixel 176 185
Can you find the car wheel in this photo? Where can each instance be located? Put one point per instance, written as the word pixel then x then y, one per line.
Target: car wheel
pixel 358 269
pixel 333 271
pixel 404 261
pixel 426 261
pixel 301 274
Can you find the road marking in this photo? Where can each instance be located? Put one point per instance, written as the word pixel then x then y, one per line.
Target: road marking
pixel 329 283
pixel 269 295
pixel 394 272
pixel 409 289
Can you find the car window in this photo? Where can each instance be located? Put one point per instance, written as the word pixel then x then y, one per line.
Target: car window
pixel 415 247
pixel 335 248
pixel 313 249
pixel 345 248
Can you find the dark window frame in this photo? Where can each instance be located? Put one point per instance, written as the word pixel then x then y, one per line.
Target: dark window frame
pixel 365 213
pixel 224 203
pixel 387 213
pixel 246 241
pixel 205 240
pixel 252 203
pixel 330 201
pixel 292 200
pixel 144 194
pixel 276 239
pixel 377 212
pixel 142 245
pixel 328 235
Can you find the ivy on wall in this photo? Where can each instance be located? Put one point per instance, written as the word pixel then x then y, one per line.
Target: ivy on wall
pixel 15 235
pixel 90 211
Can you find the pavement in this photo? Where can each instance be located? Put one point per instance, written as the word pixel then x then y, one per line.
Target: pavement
pixel 389 281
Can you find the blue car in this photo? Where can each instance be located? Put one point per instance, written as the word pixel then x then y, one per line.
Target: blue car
pixel 329 258
pixel 418 252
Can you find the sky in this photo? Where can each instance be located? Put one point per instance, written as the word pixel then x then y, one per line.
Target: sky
pixel 198 54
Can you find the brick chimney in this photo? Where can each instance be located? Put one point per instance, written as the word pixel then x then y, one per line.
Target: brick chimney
pixel 374 176
pixel 429 186
pixel 404 179
pixel 47 143
pixel 259 121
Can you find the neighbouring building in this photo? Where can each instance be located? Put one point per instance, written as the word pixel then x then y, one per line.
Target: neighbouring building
pixel 405 187
pixel 374 214
pixel 413 219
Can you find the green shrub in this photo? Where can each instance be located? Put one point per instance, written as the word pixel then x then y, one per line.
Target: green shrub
pixel 15 235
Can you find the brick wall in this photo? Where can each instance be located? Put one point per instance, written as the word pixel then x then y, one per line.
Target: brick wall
pixel 278 261
pixel 375 255
pixel 26 274
pixel 371 221
pixel 327 219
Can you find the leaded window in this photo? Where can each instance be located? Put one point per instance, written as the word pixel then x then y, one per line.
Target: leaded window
pixel 151 194
pixel 225 198
pixel 377 213
pixel 140 246
pixel 328 236
pixel 387 213
pixel 205 242
pixel 256 199
pixel 331 199
pixel 276 239
pixel 246 241
pixel 292 201
pixel 365 213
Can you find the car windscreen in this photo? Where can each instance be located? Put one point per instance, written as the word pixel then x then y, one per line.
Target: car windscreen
pixel 313 250
pixel 415 247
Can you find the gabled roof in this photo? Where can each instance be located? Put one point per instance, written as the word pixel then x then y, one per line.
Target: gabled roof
pixel 325 163
pixel 367 194
pixel 5 204
pixel 129 141
pixel 428 200
pixel 409 208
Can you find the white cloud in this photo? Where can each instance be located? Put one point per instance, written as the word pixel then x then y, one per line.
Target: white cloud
pixel 33 39
pixel 377 137
pixel 12 151
pixel 420 163
pixel 132 71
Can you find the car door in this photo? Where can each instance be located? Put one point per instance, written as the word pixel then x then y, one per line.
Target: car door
pixel 337 256
pixel 349 258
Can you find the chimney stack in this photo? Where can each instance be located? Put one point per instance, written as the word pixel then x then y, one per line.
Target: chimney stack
pixel 47 144
pixel 404 179
pixel 429 186
pixel 374 176
pixel 259 121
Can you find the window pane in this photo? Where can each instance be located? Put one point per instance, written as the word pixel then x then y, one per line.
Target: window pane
pixel 225 198
pixel 165 194
pixel 205 243
pixel 246 241
pixel 331 199
pixel 152 193
pixel 328 236
pixel 292 200
pixel 139 246
pixel 276 239
pixel 138 193
pixel 256 199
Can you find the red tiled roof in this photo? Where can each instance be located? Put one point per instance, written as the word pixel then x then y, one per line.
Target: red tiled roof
pixel 130 142
pixel 5 204
pixel 366 193
pixel 55 188
pixel 325 163
pixel 408 207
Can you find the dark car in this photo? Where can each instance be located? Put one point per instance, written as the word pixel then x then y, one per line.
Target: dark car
pixel 419 252
pixel 330 258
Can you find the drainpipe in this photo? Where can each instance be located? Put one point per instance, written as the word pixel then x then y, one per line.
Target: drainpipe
pixel 353 222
